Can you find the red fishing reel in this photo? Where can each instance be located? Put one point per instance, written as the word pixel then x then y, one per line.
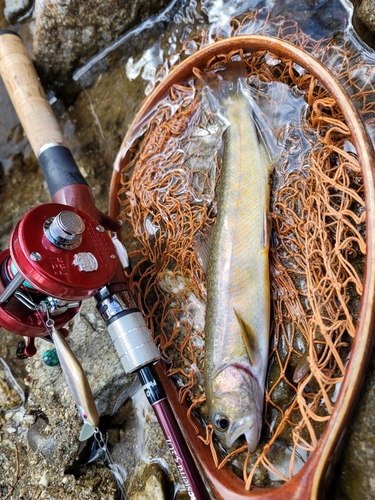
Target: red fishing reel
pixel 57 257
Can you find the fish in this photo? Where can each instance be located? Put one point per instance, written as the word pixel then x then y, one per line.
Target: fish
pixel 78 384
pixel 237 322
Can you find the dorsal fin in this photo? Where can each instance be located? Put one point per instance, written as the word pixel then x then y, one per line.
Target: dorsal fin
pixel 249 338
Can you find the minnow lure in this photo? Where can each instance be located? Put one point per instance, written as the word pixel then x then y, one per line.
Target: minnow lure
pixel 78 384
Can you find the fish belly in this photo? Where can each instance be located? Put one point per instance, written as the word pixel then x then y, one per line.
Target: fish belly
pixel 238 269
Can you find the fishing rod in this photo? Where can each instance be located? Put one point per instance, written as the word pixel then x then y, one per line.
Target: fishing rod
pixel 60 254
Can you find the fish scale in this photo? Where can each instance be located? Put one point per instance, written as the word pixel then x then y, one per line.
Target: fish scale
pixel 238 296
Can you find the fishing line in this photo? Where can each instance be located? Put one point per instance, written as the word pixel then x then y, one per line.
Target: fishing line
pixel 114 467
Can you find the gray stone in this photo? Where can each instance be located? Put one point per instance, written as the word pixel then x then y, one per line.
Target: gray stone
pixel 15 9
pixel 69 32
pixel 41 442
pixel 366 13
pixel 150 484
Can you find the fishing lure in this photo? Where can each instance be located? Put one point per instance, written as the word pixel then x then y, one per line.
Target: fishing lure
pixel 78 384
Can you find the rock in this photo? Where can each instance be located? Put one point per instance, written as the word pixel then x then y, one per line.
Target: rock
pixel 15 9
pixel 364 21
pixel 366 13
pixel 40 441
pixel 151 484
pixel 45 480
pixel 69 32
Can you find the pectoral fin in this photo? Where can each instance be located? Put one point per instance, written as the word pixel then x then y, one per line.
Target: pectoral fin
pixel 249 338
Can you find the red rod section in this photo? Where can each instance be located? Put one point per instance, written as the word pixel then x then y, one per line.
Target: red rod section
pixel 186 466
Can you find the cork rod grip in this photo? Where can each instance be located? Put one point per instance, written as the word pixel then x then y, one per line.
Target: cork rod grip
pixel 27 94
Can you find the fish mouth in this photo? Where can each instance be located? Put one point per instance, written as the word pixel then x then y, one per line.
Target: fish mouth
pixel 252 437
pixel 248 427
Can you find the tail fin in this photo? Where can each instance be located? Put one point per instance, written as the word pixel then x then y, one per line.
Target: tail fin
pixel 235 73
pixel 224 80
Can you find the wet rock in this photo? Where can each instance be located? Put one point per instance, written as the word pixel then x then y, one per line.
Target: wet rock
pixel 150 484
pixel 68 33
pixel 108 107
pixel 15 9
pixel 144 453
pixel 366 13
pixel 40 441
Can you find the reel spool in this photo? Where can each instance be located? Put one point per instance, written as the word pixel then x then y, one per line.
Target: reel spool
pixel 57 257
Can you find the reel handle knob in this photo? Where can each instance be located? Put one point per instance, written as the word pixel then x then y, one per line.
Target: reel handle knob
pixel 65 230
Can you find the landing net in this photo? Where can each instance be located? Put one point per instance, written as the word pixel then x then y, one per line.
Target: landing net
pixel 317 254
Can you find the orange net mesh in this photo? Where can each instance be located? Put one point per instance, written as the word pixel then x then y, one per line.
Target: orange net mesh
pixel 317 254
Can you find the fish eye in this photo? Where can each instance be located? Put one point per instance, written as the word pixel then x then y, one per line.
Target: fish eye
pixel 221 422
